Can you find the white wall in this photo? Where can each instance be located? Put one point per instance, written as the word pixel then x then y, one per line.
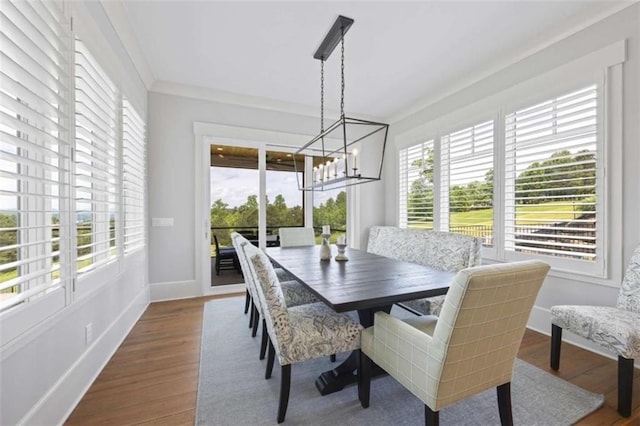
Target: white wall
pixel 172 194
pixel 623 25
pixel 45 371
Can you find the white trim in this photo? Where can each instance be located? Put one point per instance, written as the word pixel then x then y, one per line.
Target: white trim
pixel 61 398
pixel 174 290
pixel 249 101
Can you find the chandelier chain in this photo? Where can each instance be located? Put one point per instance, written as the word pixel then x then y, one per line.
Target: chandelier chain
pixel 322 96
pixel 342 73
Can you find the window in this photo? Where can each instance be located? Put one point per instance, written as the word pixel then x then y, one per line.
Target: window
pixel 547 197
pixel 551 161
pixel 466 183
pixel 133 178
pixel 34 169
pixel 96 162
pixel 416 185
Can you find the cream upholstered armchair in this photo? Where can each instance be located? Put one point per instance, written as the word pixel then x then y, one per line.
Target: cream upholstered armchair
pixel 616 329
pixel 298 333
pixel 296 237
pixel 469 348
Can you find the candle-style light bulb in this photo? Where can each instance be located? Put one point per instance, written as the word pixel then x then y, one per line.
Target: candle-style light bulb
pixel 328 169
pixel 315 174
pixel 346 165
pixel 335 167
pixel 355 159
pixel 321 171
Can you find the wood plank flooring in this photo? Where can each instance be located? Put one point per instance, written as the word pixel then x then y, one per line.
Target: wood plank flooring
pixel 153 377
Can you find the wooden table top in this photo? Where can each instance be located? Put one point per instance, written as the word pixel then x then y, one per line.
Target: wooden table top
pixel 365 281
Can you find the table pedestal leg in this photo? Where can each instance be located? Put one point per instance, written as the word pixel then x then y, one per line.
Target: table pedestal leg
pixel 347 372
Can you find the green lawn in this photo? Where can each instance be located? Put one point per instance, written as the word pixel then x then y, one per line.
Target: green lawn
pixel 532 214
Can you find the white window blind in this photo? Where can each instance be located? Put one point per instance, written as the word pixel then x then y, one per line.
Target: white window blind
pixel 96 162
pixel 133 177
pixel 551 155
pixel 416 185
pixel 35 161
pixel 466 184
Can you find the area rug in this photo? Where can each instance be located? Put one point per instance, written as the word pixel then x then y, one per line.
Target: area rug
pixel 232 389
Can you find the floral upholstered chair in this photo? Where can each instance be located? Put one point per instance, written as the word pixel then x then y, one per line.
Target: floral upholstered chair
pixel 294 293
pixel 446 251
pixel 615 328
pixel 469 348
pixel 298 333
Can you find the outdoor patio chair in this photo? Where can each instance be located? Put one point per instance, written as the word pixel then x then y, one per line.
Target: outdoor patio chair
pixel 226 257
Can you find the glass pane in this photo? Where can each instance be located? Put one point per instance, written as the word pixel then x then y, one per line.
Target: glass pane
pixel 284 199
pixel 234 186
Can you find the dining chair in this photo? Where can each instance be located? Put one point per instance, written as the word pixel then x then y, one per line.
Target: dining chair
pixel 298 333
pixel 615 328
pixel 469 348
pixel 296 237
pixel 294 292
pixel 446 251
pixel 226 258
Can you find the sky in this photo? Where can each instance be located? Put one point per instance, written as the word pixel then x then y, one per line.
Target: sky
pixel 233 186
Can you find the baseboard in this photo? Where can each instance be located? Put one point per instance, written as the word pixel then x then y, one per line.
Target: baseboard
pixel 540 321
pixel 174 290
pixel 58 403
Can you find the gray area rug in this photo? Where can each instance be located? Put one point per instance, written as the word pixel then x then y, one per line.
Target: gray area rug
pixel 232 389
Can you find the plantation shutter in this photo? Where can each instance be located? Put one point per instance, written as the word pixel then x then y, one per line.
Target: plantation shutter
pixel 551 160
pixel 96 162
pixel 416 186
pixel 133 177
pixel 34 168
pixel 466 185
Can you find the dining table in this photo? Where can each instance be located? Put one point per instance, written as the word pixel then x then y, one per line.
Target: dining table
pixel 365 283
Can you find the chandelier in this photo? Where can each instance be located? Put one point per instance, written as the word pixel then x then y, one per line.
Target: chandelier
pixel 351 150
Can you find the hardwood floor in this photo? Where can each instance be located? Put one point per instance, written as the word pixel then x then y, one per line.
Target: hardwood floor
pixel 153 376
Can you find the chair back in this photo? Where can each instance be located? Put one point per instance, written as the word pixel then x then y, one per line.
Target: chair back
pixel 629 296
pixel 446 251
pixel 479 331
pixel 238 241
pixel 215 238
pixel 296 237
pixel 271 296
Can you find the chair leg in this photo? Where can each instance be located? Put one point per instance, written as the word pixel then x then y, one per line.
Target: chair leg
pixel 364 379
pixel 217 264
pixel 431 418
pixel 556 341
pixel 247 301
pixel 333 357
pixel 504 404
pixel 256 322
pixel 270 357
pixel 625 385
pixel 253 311
pixel 263 344
pixel 285 386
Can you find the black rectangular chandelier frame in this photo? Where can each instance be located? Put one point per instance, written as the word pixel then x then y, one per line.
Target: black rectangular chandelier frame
pixel 341 168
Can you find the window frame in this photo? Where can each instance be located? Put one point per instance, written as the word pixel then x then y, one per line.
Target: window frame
pixel 602 67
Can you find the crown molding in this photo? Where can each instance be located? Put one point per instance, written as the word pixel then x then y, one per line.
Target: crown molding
pixel 501 65
pixel 118 17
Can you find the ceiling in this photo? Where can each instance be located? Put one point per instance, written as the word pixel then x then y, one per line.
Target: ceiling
pixel 398 55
